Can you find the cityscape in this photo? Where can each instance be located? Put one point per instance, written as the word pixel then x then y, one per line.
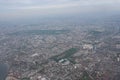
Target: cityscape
pixel 59 47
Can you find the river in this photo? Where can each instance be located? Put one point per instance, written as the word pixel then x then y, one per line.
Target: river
pixel 3 71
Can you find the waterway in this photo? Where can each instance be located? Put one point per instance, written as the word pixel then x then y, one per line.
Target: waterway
pixel 3 71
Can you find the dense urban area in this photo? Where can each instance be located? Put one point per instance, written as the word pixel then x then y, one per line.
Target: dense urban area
pixel 61 50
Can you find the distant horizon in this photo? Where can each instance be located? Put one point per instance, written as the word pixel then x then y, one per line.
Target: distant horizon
pixel 36 9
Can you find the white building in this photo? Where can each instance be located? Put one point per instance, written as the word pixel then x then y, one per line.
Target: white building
pixel 88 46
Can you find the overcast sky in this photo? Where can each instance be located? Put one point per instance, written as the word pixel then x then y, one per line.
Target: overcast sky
pixel 25 8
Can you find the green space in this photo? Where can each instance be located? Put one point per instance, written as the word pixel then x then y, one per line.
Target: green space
pixel 85 76
pixel 65 55
pixel 95 32
pixel 26 78
pixel 40 32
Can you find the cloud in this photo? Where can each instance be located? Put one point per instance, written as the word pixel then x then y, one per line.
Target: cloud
pixel 24 4
pixel 27 8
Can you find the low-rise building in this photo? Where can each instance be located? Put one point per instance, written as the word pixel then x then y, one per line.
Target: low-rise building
pixel 88 46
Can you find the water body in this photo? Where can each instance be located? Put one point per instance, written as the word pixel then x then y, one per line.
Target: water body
pixel 3 71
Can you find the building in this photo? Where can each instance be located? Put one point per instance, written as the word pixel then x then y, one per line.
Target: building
pixel 88 46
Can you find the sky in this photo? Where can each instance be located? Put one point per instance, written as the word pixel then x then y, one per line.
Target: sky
pixel 16 9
